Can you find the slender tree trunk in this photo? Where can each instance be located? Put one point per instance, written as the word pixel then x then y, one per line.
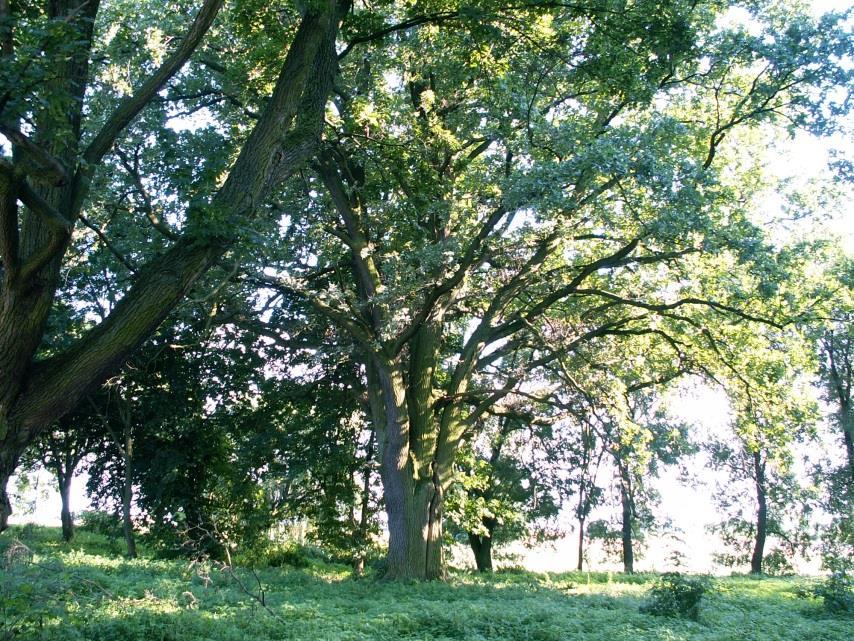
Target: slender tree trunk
pixel 846 420
pixel 7 468
pixel 65 496
pixel 127 501
pixel 580 565
pixel 359 561
pixel 761 515
pixel 481 546
pixel 626 500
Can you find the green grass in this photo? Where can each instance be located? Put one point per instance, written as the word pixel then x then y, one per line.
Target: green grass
pixel 87 591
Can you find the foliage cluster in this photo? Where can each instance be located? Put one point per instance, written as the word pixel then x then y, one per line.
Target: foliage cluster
pixel 677 595
pixel 837 593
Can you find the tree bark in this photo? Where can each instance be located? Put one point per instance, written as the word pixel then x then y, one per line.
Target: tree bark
pixel 65 516
pixel 761 515
pixel 627 514
pixel 127 492
pixel 481 546
pixel 580 565
pixel 414 477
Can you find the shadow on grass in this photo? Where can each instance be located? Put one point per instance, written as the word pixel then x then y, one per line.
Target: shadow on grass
pixel 67 593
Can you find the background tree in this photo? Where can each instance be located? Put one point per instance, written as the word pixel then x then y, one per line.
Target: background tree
pixel 772 412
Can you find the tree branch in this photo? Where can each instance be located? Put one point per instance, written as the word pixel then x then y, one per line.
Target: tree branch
pixel 130 108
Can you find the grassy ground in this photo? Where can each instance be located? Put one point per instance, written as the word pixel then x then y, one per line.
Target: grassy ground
pixel 87 591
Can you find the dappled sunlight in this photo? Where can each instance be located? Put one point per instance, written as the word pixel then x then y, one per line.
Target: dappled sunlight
pixel 75 594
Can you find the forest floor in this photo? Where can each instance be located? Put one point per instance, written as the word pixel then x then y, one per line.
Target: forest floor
pixel 86 590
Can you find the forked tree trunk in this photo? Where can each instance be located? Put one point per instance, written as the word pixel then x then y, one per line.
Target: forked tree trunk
pixel 414 510
pixel 481 546
pixel 761 515
pixel 417 450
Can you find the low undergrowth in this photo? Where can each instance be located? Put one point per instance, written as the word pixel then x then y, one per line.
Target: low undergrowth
pixel 83 591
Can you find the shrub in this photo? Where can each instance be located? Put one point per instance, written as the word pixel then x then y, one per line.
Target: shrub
pixel 292 554
pixel 677 595
pixel 837 593
pixel 102 523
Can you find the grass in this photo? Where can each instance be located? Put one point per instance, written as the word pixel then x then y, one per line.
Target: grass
pixel 86 590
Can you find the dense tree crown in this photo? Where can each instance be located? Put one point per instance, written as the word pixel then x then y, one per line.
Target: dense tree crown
pixel 289 254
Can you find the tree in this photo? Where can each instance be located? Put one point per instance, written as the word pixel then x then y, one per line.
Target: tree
pixel 509 483
pixel 55 60
pixel 454 206
pixel 772 411
pixel 61 451
pixel 836 345
pixel 829 331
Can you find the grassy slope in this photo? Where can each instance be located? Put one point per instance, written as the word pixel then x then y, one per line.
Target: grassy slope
pixel 86 591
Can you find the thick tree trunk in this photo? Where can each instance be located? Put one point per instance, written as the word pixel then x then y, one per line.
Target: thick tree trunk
pixel 414 477
pixel 414 527
pixel 481 546
pixel 761 515
pixel 65 496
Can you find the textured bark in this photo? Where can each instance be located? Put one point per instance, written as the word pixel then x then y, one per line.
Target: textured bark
pixel 481 546
pixel 761 515
pixel 412 482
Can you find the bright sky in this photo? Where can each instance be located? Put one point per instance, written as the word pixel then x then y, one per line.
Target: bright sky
pixel 690 509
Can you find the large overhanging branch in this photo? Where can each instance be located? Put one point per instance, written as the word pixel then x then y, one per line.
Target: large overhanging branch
pixel 130 107
pixel 55 385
